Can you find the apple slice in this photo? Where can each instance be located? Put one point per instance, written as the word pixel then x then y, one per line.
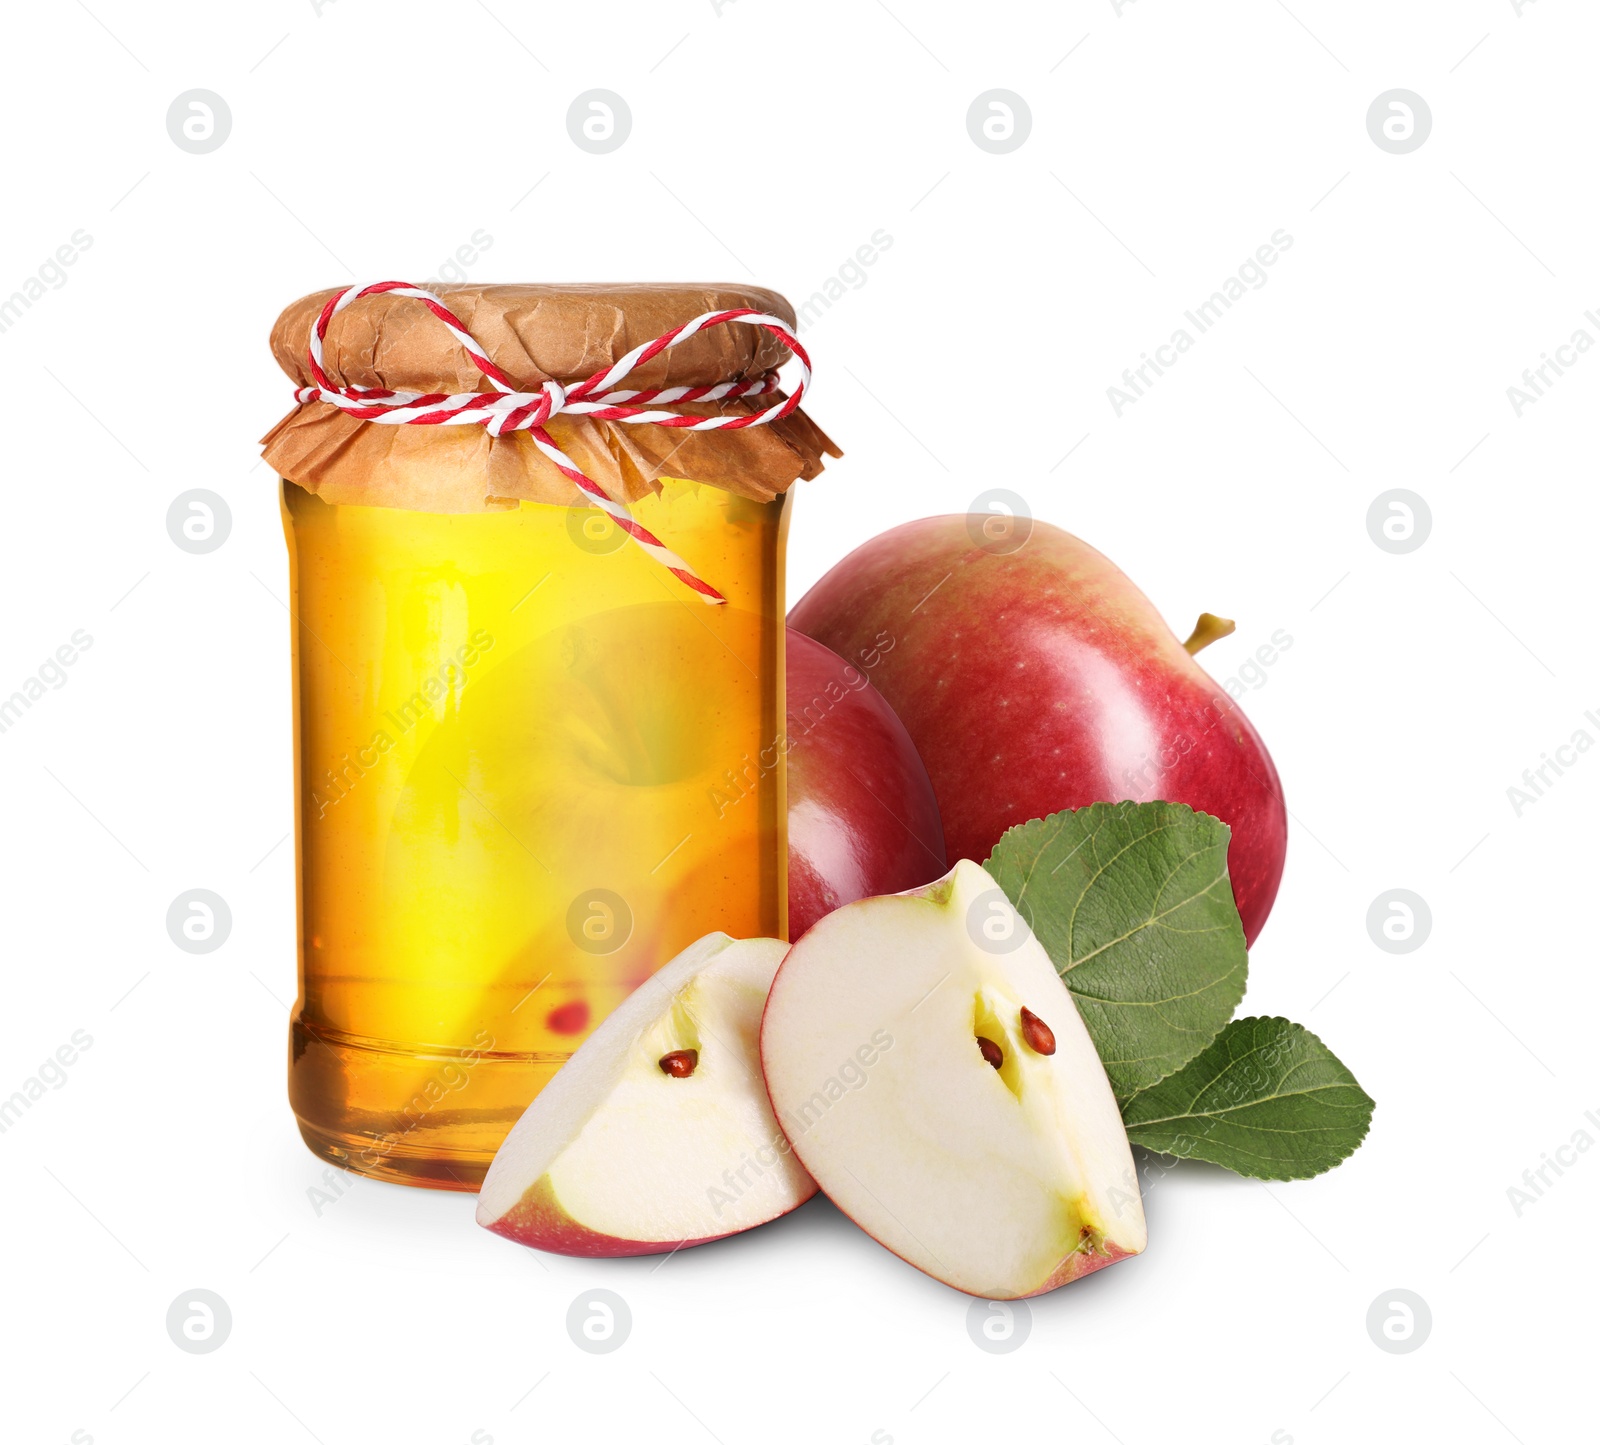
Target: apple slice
pixel 934 1077
pixel 657 1132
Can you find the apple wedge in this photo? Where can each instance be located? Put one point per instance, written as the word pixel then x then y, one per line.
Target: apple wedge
pixel 934 1077
pixel 657 1132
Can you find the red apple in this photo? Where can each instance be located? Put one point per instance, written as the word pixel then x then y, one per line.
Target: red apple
pixel 862 815
pixel 1033 676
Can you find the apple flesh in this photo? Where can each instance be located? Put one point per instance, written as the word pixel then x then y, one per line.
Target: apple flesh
pixel 1040 678
pixel 934 1077
pixel 862 815
pixel 657 1133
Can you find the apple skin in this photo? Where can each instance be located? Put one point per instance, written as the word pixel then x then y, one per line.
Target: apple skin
pixel 1037 677
pixel 539 1221
pixel 1074 1267
pixel 863 818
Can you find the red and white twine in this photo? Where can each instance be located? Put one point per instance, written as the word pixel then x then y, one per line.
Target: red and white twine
pixel 507 409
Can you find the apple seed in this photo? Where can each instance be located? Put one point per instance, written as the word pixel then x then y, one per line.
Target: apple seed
pixel 990 1051
pixel 1037 1032
pixel 679 1064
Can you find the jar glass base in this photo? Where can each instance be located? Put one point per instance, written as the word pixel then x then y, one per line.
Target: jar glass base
pixel 405 1113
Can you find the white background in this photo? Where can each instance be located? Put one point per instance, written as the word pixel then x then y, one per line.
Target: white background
pixel 768 143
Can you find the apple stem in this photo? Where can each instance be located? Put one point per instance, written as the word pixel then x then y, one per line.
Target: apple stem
pixel 1206 631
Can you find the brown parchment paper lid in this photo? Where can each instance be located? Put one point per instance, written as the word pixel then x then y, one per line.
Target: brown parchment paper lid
pixel 535 333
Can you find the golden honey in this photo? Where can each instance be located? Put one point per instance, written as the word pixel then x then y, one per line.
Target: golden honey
pixel 530 768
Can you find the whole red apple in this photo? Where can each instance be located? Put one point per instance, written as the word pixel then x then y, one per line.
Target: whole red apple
pixel 1033 676
pixel 862 815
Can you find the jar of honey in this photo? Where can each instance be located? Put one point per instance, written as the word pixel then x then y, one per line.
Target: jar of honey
pixel 531 763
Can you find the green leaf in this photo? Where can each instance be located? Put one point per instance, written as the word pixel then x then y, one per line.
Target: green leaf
pixel 1133 904
pixel 1267 1099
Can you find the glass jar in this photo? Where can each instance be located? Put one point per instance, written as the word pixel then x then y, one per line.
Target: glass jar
pixel 530 767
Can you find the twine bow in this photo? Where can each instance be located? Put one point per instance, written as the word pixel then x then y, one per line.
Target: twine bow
pixel 508 410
